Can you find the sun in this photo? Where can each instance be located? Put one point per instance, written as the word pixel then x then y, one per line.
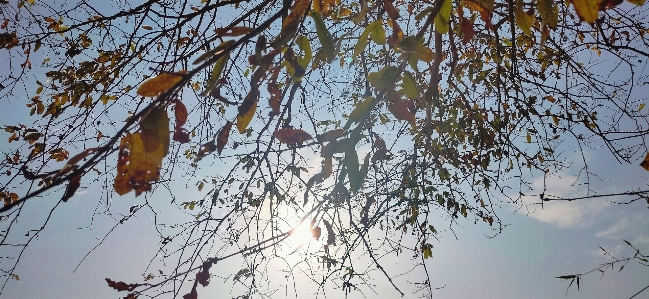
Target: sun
pixel 302 235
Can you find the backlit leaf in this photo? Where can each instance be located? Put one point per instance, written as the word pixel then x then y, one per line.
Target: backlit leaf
pixel 316 232
pixel 331 135
pixel 442 19
pixel 291 23
pixel 180 112
pixel 361 44
pixel 392 12
pixel 215 51
pixel 136 168
pixel 324 36
pixel 376 32
pixel 159 84
pixel 384 78
pixel 222 138
pixel 155 131
pixel 587 10
pixel 549 13
pixel 216 74
pixel 292 136
pixel 247 110
pixel 637 2
pixel 410 87
pixel 354 174
pixel 362 109
pixel 524 20
pixel 399 109
pixel 234 31
pixel 304 44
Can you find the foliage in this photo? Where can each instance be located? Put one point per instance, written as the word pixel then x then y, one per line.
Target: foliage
pixel 422 113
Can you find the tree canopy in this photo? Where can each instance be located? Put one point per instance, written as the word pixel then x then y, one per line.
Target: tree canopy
pixel 367 124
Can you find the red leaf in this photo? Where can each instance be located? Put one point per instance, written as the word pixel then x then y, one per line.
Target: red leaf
pixel 181 113
pixel 292 136
pixel 399 108
pixel 192 295
pixel 181 136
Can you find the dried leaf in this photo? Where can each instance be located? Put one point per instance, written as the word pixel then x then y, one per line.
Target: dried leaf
pixel 399 108
pixel 180 112
pixel 122 286
pixel 645 162
pixel 159 84
pixel 203 277
pixel 466 27
pixel 72 187
pixel 292 136
pixel 331 236
pixel 316 232
pixel 384 78
pixel 205 150
pixel 155 131
pixel 234 31
pixel 223 135
pixel 291 23
pixel 392 12
pixel 191 295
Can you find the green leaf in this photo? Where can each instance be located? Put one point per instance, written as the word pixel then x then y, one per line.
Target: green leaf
pixel 216 74
pixel 383 78
pixel 442 19
pixel 376 31
pixel 304 44
pixel 409 86
pixel 524 20
pixel 324 36
pixel 362 109
pixel 213 52
pixel 363 40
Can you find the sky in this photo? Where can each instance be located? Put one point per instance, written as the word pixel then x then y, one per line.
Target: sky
pixel 538 244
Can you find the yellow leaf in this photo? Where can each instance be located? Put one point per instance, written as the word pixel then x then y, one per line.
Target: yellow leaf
pixel 305 45
pixel 247 110
pixel 555 119
pixel 529 138
pixel 549 13
pixel 442 18
pixel 376 31
pixel 587 10
pixel 291 23
pixel 216 74
pixel 524 20
pixel 159 84
pixel 136 168
pixel 155 131
pixel 637 2
pixel 640 107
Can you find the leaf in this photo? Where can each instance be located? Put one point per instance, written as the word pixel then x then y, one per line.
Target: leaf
pixel 361 44
pixel 361 110
pixel 409 86
pixel 466 27
pixel 155 131
pixel 376 31
pixel 637 2
pixel 354 174
pixel 323 6
pixel 291 136
pixel 159 84
pixel 549 13
pixel 587 10
pixel 216 74
pixel 136 168
pixel 524 20
pixel 331 236
pixel 203 277
pixel 191 295
pixel 247 110
pixel 384 78
pixel 234 31
pixel 72 187
pixel 327 167
pixel 331 135
pixel 390 10
pixel 380 148
pixel 442 19
pixel 180 112
pixel 222 138
pixel 528 137
pixel 645 162
pixel 640 107
pixel 122 286
pixel 291 23
pixel 305 46
pixel 399 109
pixel 242 272
pixel 204 150
pixel 213 52
pixel 324 36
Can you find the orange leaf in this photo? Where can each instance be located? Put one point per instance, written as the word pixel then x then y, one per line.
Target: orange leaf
pixel 291 23
pixel 222 138
pixel 645 162
pixel 291 136
pixel 159 84
pixel 136 168
pixel 316 232
pixel 180 111
pixel 247 110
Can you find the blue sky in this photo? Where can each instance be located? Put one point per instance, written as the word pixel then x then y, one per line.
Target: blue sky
pixel 521 262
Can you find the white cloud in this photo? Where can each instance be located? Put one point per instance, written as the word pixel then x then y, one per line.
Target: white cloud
pixel 564 214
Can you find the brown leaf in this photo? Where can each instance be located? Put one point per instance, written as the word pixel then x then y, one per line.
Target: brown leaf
pixel 159 84
pixel 381 150
pixel 204 150
pixel 234 31
pixel 291 136
pixel 331 135
pixel 466 27
pixel 203 277
pixel 180 111
pixel 645 162
pixel 72 187
pixel 191 295
pixel 327 167
pixel 291 23
pixel 399 108
pixel 223 135
pixel 122 286
pixel 181 136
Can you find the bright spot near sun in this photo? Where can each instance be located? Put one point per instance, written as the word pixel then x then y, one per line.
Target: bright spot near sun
pixel 302 237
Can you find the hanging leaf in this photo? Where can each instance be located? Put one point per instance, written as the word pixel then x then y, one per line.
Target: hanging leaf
pixel 291 136
pixel 353 173
pixel 411 88
pixel 466 27
pixel 222 138
pixel 361 44
pixel 637 2
pixel 159 84
pixel 316 232
pixel 72 187
pixel 155 131
pixel 399 108
pixel 331 236
pixel 216 74
pixel 380 148
pixel 122 286
pixel 442 19
pixel 645 162
pixel 384 78
pixel 524 20
pixel 361 110
pixel 327 167
pixel 587 10
pixel 305 46
pixel 247 110
pixel 203 277
pixel 392 12
pixel 180 112
pixel 376 32
pixel 324 36
pixel 205 150
pixel 323 6
pixel 136 168
pixel 234 31
pixel 291 23
pixel 549 13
